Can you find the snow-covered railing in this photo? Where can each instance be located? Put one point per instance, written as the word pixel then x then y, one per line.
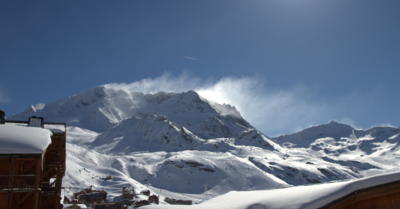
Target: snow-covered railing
pixel 20 181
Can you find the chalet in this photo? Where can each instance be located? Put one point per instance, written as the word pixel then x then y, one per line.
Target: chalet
pixel 89 196
pixel 173 201
pixel 128 192
pixel 383 196
pixel 32 163
pixel 73 201
pixel 153 199
pixel 147 192
pixel 381 191
pixel 142 203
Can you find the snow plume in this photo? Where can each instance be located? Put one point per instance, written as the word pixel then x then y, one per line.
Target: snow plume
pixel 165 83
pixel 273 111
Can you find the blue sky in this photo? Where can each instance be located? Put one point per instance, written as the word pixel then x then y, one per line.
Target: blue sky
pixel 285 65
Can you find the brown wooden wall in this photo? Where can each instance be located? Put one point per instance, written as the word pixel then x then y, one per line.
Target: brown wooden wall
pixel 385 202
pixel 19 181
pixel 26 183
pixel 3 200
pixel 385 196
pixel 53 169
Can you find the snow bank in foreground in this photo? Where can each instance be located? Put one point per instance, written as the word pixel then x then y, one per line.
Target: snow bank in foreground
pixel 16 139
pixel 301 197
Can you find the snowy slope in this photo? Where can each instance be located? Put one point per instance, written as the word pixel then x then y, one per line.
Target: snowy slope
pixel 183 146
pixel 341 144
pixel 340 136
pixel 183 172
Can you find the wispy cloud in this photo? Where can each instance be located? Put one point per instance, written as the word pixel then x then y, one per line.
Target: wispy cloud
pixel 3 98
pixel 273 111
pixel 191 58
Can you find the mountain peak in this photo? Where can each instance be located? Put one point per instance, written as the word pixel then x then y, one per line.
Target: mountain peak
pixel 336 125
pixel 191 96
pixel 98 108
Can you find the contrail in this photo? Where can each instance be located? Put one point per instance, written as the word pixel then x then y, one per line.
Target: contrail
pixel 190 58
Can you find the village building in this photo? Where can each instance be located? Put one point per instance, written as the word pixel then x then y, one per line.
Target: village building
pixel 32 163
pixel 73 201
pixel 141 203
pixel 174 201
pixel 153 199
pixel 383 196
pixel 381 191
pixel 128 192
pixel 88 196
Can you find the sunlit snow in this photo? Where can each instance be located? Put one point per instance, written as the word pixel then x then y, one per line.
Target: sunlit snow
pixel 16 138
pixel 182 146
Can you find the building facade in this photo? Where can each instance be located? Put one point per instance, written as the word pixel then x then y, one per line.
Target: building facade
pixel 32 164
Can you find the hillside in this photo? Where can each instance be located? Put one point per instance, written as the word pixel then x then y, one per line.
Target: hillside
pixel 181 145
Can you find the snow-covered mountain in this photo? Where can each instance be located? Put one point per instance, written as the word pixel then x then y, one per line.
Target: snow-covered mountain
pixel 181 145
pixel 335 139
pixel 100 108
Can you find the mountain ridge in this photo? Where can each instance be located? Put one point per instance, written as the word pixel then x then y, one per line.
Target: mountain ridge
pixel 164 138
pixel 98 108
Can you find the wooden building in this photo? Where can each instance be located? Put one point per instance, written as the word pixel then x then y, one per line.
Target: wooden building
pixel 128 192
pixel 174 201
pixel 32 163
pixel 89 196
pixel 153 199
pixel 384 196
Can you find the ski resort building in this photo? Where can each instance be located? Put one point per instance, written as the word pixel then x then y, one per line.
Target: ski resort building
pixel 128 192
pixel 384 196
pixel 89 196
pixel 32 163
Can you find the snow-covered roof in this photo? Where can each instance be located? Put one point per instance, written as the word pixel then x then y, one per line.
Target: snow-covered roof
pixel 17 139
pixel 300 197
pixel 55 128
pixel 70 205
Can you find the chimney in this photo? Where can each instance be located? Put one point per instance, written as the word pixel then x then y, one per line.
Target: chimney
pixel 36 121
pixel 2 117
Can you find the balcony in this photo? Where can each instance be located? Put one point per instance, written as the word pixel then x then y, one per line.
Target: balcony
pixel 3 181
pixel 24 181
pixel 48 187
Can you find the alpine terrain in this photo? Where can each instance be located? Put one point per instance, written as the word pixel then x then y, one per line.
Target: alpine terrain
pixel 183 146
